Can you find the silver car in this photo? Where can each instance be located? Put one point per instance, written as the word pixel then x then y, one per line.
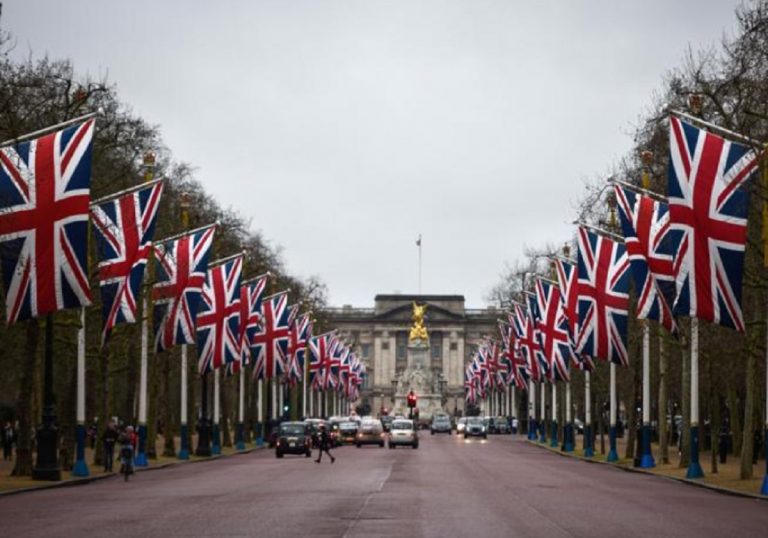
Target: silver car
pixel 403 432
pixel 476 427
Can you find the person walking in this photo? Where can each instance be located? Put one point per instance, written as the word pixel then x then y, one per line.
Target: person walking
pixel 9 438
pixel 109 439
pixel 324 445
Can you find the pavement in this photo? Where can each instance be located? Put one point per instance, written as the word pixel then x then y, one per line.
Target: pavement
pixel 448 487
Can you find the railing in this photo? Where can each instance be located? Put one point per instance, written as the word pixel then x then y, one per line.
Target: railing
pixel 345 311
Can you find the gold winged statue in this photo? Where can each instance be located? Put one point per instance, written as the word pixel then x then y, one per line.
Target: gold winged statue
pixel 418 330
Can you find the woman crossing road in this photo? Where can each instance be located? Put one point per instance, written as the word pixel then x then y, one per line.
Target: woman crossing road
pixel 324 444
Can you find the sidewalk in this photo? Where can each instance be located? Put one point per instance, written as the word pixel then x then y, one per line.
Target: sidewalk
pixel 13 484
pixel 726 479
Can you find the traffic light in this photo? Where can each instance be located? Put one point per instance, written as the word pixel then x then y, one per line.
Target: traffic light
pixel 411 400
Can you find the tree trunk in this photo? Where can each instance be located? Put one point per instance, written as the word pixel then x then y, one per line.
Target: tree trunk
pixel 663 403
pixel 749 415
pixel 98 454
pixel 132 382
pixel 735 419
pixel 24 461
pixel 68 412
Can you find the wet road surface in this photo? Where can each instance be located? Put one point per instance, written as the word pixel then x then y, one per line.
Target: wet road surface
pixel 448 487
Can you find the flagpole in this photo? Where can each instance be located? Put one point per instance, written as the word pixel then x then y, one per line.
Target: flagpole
pixel 184 429
pixel 240 444
pixel 568 432
pixel 81 467
pixel 764 487
pixel 532 426
pixel 273 387
pixel 543 425
pixel 49 129
pixel 646 460
pixel 694 468
pixel 304 375
pixel 216 432
pixel 588 449
pixel 141 453
pixel 419 245
pixel 260 412
pixel 553 436
pixel 612 454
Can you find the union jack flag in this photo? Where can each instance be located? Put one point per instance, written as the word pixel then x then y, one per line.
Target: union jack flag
pixel 270 342
pixel 181 270
pixel 332 364
pixel 708 217
pixel 301 332
pixel 603 298
pixel 479 373
pixel 553 332
pixel 512 355
pixel 645 225
pixel 568 278
pixel 125 227
pixel 45 190
pixel 218 322
pixel 250 308
pixel 527 342
pixel 470 385
pixel 319 351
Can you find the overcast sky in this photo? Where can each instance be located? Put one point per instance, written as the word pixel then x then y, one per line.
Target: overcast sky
pixel 344 129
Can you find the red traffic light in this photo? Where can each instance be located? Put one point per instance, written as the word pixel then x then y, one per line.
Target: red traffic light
pixel 411 399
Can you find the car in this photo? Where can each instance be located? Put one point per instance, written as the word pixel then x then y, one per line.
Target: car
pixel 333 431
pixel 441 424
pixel 371 432
pixel 293 438
pixel 403 432
pixel 499 425
pixel 347 432
pixel 476 427
pixel 461 424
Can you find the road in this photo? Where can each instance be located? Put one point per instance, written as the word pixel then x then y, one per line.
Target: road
pixel 448 487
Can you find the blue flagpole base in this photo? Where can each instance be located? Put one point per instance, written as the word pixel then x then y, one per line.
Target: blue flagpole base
pixel 184 450
pixel 542 432
pixel 694 468
pixel 80 468
pixel 647 461
pixel 216 445
pixel 764 487
pixel 532 429
pixel 569 440
pixel 553 437
pixel 240 433
pixel 694 471
pixel 612 454
pixel 140 459
pixel 589 452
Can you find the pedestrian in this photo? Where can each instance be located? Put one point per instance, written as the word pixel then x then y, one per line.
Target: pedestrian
pixel 109 439
pixel 9 439
pixel 324 445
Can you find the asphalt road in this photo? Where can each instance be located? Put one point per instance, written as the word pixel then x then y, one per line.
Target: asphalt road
pixel 448 487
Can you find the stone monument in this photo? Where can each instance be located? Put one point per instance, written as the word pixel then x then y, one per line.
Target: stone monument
pixel 417 376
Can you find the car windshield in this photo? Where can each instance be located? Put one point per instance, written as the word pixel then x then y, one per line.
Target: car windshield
pixel 292 429
pixel 476 421
pixel 348 426
pixel 402 426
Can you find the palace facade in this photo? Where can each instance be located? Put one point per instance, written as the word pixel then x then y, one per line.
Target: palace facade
pixel 379 335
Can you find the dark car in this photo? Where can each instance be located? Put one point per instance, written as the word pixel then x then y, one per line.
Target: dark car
pixel 293 438
pixel 476 427
pixel 348 432
pixel 499 425
pixel 441 424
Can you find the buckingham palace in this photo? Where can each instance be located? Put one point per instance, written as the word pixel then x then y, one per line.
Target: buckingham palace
pixel 380 336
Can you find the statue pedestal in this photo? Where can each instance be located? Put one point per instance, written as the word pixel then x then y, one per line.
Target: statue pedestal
pixel 420 379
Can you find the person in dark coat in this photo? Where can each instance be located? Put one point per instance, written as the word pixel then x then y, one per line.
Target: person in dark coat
pixel 110 438
pixel 325 444
pixel 9 438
